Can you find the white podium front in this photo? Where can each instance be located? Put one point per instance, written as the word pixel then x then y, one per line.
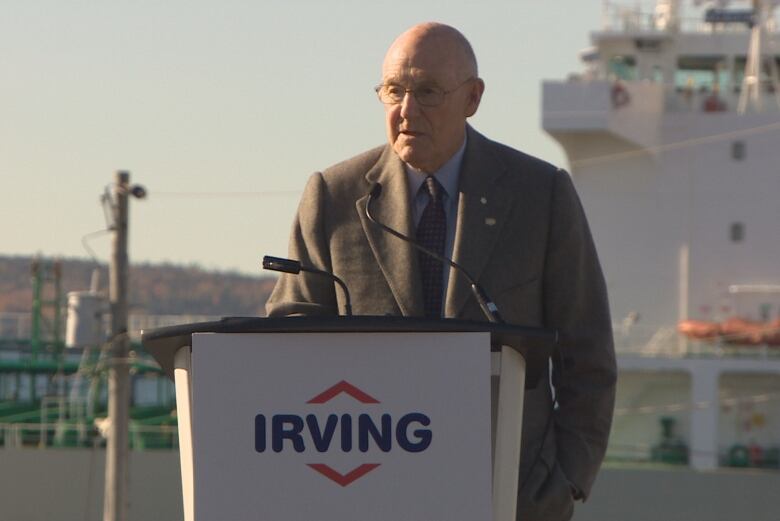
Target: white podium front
pixel 348 419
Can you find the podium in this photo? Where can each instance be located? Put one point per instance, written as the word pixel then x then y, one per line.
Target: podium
pixel 350 417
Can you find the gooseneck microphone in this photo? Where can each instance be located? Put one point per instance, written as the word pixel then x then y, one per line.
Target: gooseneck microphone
pixel 295 267
pixel 488 307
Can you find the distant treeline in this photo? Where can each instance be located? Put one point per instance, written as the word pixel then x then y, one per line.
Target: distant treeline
pixel 158 289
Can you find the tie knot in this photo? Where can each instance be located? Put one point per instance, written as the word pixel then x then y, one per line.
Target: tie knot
pixel 433 188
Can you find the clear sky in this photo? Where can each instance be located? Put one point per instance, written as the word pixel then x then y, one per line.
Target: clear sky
pixel 223 109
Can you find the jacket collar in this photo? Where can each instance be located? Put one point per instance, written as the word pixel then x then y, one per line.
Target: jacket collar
pixel 396 258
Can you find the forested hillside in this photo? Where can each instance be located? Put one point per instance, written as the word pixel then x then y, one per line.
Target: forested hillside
pixel 159 289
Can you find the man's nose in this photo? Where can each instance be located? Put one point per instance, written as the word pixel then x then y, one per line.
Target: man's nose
pixel 409 105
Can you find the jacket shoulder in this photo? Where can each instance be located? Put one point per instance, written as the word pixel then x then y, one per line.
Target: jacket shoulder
pixel 520 162
pixel 356 166
pixel 521 167
pixel 346 181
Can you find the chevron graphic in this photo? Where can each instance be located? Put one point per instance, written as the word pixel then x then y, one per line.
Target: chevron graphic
pixel 343 479
pixel 343 387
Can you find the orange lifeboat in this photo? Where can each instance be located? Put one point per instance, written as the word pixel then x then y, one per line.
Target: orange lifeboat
pixel 734 330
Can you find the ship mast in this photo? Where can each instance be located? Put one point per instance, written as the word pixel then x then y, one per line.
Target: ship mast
pixel 751 93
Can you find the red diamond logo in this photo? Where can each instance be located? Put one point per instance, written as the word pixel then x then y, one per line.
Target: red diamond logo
pixel 343 387
pixel 343 479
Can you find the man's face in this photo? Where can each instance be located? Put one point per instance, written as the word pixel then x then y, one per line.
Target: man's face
pixel 426 137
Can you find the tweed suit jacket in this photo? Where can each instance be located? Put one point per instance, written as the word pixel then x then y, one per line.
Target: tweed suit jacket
pixel 521 232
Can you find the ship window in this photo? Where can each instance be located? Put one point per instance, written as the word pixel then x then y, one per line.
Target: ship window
pixel 738 150
pixel 737 232
pixel 701 73
pixel 622 67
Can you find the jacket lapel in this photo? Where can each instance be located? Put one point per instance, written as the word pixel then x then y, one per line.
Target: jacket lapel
pixel 483 208
pixel 396 258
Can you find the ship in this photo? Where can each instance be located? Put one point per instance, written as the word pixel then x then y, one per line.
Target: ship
pixel 671 131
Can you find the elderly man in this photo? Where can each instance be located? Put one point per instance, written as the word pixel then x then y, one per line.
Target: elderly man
pixel 514 222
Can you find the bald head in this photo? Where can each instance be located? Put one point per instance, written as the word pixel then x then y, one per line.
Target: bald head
pixel 446 41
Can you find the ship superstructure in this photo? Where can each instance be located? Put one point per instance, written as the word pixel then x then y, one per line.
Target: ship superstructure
pixel 672 132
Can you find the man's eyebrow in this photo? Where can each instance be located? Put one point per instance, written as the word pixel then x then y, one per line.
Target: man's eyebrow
pixel 410 82
pixel 392 79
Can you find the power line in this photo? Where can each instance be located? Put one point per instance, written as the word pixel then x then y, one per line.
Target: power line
pixel 216 194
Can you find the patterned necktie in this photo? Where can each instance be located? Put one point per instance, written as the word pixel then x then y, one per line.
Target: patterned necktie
pixel 431 233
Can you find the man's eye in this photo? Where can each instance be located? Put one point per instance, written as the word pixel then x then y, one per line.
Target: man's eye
pixel 395 91
pixel 428 95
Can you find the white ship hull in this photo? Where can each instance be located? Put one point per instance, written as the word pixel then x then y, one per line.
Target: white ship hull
pixel 674 145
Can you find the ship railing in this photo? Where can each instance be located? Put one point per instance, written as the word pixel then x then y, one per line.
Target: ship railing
pixel 618 17
pixel 591 96
pixel 645 403
pixel 666 342
pixel 711 100
pixel 738 455
pixel 63 434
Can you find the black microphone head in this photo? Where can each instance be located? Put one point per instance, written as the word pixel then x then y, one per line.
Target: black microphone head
pixel 280 264
pixel 376 190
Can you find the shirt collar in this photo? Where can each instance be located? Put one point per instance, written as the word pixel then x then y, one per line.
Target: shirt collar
pixel 447 175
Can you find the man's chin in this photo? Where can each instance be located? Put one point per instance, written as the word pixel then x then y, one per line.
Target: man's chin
pixel 412 158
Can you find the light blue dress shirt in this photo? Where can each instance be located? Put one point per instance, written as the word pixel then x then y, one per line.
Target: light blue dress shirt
pixel 447 176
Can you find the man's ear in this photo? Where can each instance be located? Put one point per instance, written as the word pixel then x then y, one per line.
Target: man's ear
pixel 474 97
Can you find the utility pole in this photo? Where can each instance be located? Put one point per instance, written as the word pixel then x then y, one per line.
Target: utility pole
pixel 115 499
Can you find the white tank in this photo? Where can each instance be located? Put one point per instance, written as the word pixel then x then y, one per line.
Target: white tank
pixel 84 322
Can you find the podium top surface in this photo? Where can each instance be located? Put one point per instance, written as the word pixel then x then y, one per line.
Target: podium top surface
pixel 534 344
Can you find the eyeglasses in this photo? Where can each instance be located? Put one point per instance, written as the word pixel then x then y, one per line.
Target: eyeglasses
pixel 426 95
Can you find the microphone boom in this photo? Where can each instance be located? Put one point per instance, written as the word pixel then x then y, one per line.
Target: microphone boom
pixel 488 307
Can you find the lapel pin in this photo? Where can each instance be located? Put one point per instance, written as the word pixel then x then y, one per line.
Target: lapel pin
pixel 490 221
pixel 483 200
